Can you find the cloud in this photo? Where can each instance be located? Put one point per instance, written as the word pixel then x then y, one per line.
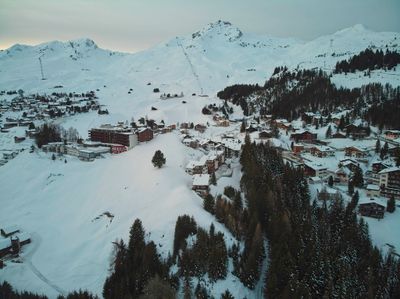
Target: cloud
pixel 132 25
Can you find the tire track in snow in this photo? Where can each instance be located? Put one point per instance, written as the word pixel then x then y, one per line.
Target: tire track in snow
pixel 192 68
pixel 28 260
pixel 44 278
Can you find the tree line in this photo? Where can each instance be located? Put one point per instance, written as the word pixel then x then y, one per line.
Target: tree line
pixel 289 94
pixel 369 60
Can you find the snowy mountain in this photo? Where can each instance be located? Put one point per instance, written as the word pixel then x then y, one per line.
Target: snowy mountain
pixel 60 203
pixel 218 55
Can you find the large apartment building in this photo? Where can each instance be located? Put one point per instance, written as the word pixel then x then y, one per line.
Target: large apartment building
pixel 114 135
pixel 389 181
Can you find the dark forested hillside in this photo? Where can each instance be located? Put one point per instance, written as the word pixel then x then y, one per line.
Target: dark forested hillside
pixel 290 94
pixel 369 60
pixel 315 250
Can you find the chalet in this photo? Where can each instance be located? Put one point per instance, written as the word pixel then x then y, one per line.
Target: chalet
pixel 196 167
pixel 201 184
pixel 315 170
pixel 9 231
pixel 373 190
pixel 297 148
pixel 377 166
pixel 220 156
pixel 5 247
pixel 31 133
pixel 145 134
pixel 9 155
pixel 19 240
pixel 251 128
pixel 223 123
pixel 10 124
pixel 338 135
pixel 206 144
pixel 18 139
pixel 349 164
pixel 211 162
pixel 322 151
pixel 282 124
pixel 232 148
pixel 13 244
pixel 304 136
pixel 200 128
pixel 371 209
pixel 389 182
pixel 190 142
pixel 356 152
pixel 343 174
pixel 357 132
pixel 185 126
pixel 392 134
pixel 264 134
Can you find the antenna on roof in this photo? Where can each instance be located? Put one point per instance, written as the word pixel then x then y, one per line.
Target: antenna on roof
pixel 41 68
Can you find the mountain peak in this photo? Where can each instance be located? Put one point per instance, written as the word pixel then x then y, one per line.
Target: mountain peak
pixel 83 42
pixel 357 28
pixel 220 29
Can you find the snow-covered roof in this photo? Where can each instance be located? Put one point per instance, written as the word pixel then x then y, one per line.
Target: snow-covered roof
pixel 323 148
pixel 315 166
pixel 5 243
pixel 141 130
pixel 201 180
pixel 315 179
pixel 22 236
pixel 392 131
pixel 390 169
pixel 373 187
pixel 232 144
pixel 10 229
pixel 193 164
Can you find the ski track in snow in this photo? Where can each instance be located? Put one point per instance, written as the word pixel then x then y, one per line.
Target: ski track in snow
pixel 191 65
pixel 28 259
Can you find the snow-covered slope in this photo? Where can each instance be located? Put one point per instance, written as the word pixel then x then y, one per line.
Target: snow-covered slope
pixel 206 61
pixel 58 202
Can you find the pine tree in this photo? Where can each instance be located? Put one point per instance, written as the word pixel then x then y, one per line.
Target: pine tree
pixel 213 179
pixel 187 289
pixel 158 159
pixel 350 187
pixel 397 157
pixel 330 181
pixel 209 204
pixel 53 157
pixel 358 179
pixel 384 151
pixel 243 127
pixel 227 295
pixel 391 205
pixel 378 146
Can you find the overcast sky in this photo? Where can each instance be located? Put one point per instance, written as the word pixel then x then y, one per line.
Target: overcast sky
pixel 133 25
